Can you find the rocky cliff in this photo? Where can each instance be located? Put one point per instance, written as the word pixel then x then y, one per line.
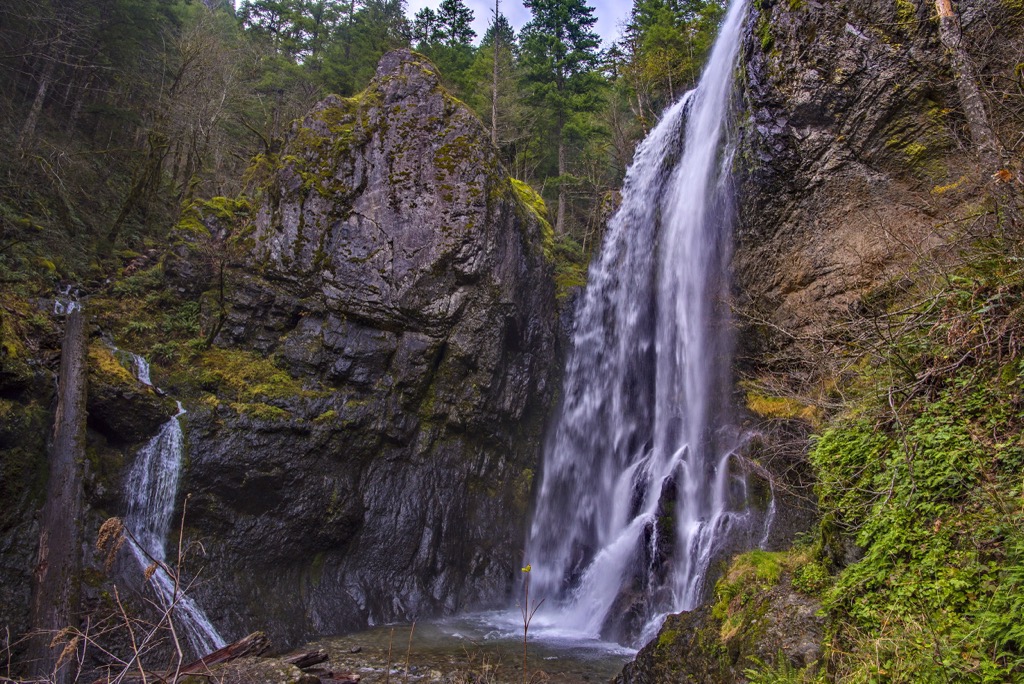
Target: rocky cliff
pixel 855 147
pixel 383 469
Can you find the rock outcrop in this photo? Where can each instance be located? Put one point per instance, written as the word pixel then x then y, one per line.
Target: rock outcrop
pixel 762 620
pixel 391 270
pixel 854 142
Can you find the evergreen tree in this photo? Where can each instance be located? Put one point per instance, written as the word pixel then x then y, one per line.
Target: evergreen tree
pixel 445 36
pixel 667 42
pixel 425 29
pixel 455 22
pixel 560 56
pixel 373 29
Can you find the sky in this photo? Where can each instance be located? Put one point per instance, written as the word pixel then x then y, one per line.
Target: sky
pixel 610 14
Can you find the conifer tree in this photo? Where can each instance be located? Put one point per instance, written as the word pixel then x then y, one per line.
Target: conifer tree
pixel 560 56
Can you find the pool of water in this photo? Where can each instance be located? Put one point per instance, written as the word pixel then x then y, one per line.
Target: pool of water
pixel 484 648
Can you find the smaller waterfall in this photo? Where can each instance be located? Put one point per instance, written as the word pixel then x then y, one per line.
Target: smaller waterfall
pixel 66 301
pixel 135 363
pixel 152 490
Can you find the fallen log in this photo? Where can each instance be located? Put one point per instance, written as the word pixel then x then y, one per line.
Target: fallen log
pixel 306 659
pixel 255 644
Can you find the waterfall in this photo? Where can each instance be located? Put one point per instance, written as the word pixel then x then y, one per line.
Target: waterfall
pixel 152 490
pixel 642 487
pixel 135 363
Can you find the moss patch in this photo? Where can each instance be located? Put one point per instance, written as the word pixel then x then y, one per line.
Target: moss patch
pixel 246 377
pixel 781 408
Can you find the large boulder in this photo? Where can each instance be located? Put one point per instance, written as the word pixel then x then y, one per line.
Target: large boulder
pixel 392 272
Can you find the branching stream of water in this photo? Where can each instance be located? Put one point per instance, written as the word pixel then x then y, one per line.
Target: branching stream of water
pixel 152 490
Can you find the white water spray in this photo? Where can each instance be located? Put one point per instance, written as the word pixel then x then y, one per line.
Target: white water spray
pixel 641 486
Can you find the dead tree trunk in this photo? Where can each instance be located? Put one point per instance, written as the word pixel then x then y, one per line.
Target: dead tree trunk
pixel 28 130
pixel 982 135
pixel 58 568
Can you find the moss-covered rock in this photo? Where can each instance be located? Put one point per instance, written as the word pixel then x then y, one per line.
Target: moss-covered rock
pixel 122 408
pixel 759 622
pixel 382 373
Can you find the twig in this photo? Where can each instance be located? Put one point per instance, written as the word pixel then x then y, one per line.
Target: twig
pixel 387 669
pixel 408 653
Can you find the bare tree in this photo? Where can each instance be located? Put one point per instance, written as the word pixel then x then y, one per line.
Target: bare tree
pixel 982 134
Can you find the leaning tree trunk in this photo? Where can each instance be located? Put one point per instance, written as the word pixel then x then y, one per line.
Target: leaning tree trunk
pixel 982 135
pixel 56 582
pixel 28 130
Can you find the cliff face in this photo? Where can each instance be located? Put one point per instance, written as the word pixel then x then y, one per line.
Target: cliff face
pixel 854 147
pixel 390 267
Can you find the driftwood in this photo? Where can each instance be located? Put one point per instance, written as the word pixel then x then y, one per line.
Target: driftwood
pixel 306 659
pixel 253 645
pixel 328 677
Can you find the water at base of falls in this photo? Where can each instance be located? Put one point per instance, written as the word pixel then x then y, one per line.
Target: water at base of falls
pixel 485 647
pixel 152 488
pixel 643 485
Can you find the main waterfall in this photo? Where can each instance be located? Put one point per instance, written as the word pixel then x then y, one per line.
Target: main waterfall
pixel 642 487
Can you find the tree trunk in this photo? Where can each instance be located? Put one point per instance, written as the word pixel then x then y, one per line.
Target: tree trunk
pixel 560 216
pixel 55 593
pixel 28 131
pixel 494 84
pixel 982 135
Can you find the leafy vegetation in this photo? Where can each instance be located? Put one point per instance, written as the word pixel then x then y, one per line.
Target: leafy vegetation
pixel 921 492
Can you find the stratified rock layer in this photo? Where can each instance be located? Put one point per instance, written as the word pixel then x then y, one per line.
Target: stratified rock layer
pixel 391 269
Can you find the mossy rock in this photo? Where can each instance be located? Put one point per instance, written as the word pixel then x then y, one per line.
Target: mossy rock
pixel 758 621
pixel 123 409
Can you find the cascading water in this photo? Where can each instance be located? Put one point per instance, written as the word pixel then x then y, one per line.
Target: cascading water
pixel 152 491
pixel 135 363
pixel 642 487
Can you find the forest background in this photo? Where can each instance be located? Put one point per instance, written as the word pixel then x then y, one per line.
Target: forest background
pixel 122 114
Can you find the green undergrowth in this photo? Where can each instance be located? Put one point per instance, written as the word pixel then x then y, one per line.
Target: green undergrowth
pixel 920 488
pixel 149 317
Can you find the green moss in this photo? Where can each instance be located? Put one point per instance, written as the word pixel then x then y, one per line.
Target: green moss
pixel 564 253
pixel 226 209
pixel 906 14
pixel 106 368
pixel 534 203
pixel 327 417
pixel 928 487
pixel 763 31
pixel 262 412
pixel 666 639
pixel 246 377
pixel 781 408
